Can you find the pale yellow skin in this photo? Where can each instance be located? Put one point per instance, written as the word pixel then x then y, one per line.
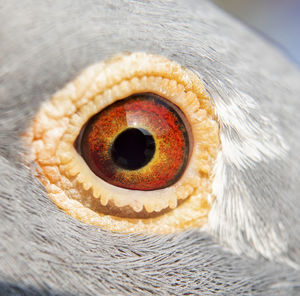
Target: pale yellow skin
pixel 71 184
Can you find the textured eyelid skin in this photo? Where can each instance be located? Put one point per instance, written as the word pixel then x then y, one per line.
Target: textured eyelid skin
pixel 99 86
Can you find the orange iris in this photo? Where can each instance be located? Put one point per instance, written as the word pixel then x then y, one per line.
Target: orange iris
pixel 141 142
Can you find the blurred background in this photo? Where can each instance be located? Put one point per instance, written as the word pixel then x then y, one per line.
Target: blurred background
pixel 277 20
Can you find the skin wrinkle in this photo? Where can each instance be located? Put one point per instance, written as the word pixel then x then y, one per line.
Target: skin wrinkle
pixel 44 251
pixel 74 188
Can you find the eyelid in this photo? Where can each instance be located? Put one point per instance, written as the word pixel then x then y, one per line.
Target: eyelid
pixel 99 86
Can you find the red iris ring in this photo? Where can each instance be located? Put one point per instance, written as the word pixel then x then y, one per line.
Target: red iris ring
pixel 141 142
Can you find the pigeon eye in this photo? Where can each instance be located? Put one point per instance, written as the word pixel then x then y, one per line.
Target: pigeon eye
pixel 139 143
pixel 129 145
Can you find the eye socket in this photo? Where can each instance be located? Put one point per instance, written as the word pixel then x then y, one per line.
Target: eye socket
pixel 140 143
pixel 67 127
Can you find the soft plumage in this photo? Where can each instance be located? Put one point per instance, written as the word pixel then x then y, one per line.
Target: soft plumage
pixel 251 242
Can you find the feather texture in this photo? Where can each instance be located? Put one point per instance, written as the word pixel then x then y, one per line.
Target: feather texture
pixel 250 245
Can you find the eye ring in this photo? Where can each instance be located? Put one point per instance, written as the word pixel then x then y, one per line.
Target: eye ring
pixel 137 73
pixel 74 165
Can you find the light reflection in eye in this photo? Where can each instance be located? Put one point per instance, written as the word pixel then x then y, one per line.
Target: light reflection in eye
pixel 80 136
pixel 148 155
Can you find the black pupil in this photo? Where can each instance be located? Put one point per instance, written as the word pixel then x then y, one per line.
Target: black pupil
pixel 133 148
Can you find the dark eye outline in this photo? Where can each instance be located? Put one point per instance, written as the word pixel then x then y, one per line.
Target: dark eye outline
pixel 142 142
pixel 99 86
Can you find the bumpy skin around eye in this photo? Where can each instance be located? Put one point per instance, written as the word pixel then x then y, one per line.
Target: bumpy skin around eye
pixel 71 183
pixel 43 251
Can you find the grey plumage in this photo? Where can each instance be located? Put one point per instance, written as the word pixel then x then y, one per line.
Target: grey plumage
pixel 44 251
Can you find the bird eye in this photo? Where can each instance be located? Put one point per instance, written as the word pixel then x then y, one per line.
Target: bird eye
pixel 139 143
pixel 129 145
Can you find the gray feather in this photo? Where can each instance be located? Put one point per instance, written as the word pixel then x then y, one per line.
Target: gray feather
pixel 251 243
